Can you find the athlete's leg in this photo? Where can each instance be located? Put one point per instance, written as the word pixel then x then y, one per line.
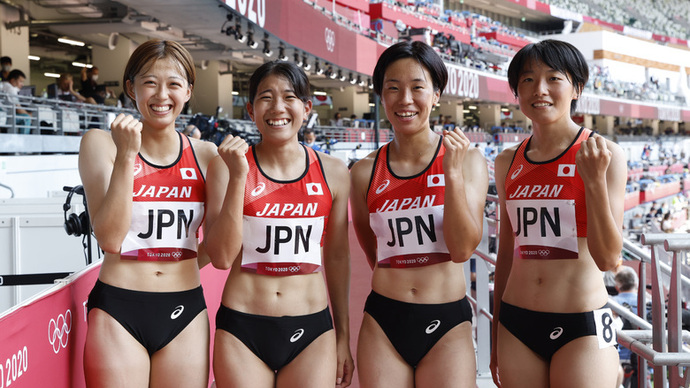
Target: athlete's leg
pixel 379 365
pixel 518 365
pixel 314 367
pixel 184 361
pixel 236 366
pixel 112 357
pixel 580 363
pixel 451 362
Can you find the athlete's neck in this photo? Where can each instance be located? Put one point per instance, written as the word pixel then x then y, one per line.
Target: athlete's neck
pixel 286 162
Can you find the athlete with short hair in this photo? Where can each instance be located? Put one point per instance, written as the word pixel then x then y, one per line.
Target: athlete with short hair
pixel 417 209
pixel 561 215
pixel 146 195
pixel 277 216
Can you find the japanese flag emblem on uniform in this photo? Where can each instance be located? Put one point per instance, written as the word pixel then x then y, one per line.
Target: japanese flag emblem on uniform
pixel 314 189
pixel 435 180
pixel 566 170
pixel 188 173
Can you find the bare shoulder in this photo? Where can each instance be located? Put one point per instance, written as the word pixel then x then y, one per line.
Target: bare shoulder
pixel 97 141
pixel 506 156
pixel 204 149
pixel 335 170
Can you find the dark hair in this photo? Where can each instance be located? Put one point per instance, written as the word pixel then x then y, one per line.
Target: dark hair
pixel 5 60
pixel 15 74
pixel 308 130
pixel 558 55
pixel 294 74
pixel 143 57
pixel 627 277
pixel 420 51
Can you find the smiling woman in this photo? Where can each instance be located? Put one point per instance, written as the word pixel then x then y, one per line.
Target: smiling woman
pixel 561 197
pixel 148 302
pixel 277 215
pixel 417 206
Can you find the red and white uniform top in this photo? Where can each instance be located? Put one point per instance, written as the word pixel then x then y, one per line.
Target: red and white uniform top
pixel 406 213
pixel 546 203
pixel 167 209
pixel 284 221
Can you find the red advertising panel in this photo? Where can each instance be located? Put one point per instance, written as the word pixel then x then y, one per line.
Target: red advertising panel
pixel 43 339
pixel 415 20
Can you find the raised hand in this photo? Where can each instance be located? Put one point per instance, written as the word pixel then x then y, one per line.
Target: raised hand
pixel 232 150
pixel 457 145
pixel 593 159
pixel 126 133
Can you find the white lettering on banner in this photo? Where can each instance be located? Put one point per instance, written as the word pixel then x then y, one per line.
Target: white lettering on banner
pixel 15 366
pixel 462 83
pixel 669 114
pixel 59 329
pixel 330 39
pixel 588 105
pixel 254 10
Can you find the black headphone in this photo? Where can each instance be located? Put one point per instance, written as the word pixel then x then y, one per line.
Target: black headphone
pixel 75 224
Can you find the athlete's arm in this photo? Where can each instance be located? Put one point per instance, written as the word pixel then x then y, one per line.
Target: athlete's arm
pixel 106 167
pixel 601 164
pixel 359 178
pixel 227 175
pixel 336 254
pixel 206 151
pixel 504 256
pixel 467 182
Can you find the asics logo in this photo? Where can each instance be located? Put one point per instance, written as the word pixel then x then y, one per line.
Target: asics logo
pixel 137 168
pixel 177 312
pixel 298 334
pixel 556 333
pixel 258 189
pixel 516 172
pixel 383 186
pixel 433 326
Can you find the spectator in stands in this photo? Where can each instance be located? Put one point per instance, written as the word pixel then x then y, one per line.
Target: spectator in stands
pixel 5 68
pixel 193 131
pixel 11 86
pixel 337 120
pixel 549 284
pixel 274 326
pixel 627 284
pixel 667 223
pixel 64 90
pixel 147 319
pixel 90 88
pixel 310 139
pixel 417 322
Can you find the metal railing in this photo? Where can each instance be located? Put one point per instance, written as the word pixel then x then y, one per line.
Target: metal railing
pixel 50 116
pixel 659 344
